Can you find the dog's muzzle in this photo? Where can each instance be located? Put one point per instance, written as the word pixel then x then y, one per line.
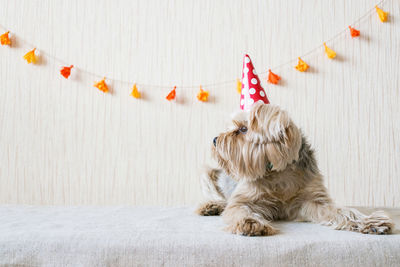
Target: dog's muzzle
pixel 215 141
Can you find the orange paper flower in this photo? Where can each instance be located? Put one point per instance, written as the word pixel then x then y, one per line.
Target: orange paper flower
pixel 329 52
pixel 354 32
pixel 171 95
pixel 273 78
pixel 66 71
pixel 5 39
pixel 101 85
pixel 202 95
pixel 135 93
pixel 382 14
pixel 30 57
pixel 238 86
pixel 301 66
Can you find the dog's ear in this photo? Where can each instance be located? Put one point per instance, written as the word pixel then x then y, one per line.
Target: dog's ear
pixel 284 151
pixel 272 126
pixel 292 142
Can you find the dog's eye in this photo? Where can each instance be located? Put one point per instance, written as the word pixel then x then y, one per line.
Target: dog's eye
pixel 243 129
pixel 270 166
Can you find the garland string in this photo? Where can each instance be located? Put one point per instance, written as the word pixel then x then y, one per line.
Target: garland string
pixel 302 66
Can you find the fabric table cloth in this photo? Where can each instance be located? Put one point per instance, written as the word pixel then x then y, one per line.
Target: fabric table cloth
pixel 155 236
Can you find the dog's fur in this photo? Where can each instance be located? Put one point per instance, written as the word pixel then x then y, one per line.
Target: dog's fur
pixel 268 173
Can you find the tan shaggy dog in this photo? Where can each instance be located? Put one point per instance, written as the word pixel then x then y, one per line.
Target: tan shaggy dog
pixel 268 172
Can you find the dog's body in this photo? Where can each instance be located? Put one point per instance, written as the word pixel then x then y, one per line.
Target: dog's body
pixel 268 172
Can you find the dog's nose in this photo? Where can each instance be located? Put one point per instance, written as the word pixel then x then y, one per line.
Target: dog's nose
pixel 215 141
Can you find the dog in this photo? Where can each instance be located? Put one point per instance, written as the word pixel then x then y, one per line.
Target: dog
pixel 268 171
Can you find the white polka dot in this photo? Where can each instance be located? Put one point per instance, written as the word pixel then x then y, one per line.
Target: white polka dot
pixel 262 93
pixel 254 72
pixel 252 91
pixel 246 70
pixel 250 101
pixel 260 101
pixel 242 102
pixel 247 59
pixel 254 81
pixel 245 91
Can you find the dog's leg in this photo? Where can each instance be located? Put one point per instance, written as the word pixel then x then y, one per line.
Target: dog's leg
pixel 315 205
pixel 211 208
pixel 249 213
pixel 346 218
pixel 216 201
pixel 242 220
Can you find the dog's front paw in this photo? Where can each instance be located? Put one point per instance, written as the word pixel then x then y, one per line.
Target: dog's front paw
pixel 212 208
pixel 251 227
pixel 377 223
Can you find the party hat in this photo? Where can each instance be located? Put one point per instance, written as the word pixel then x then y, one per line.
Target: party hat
pixel 252 90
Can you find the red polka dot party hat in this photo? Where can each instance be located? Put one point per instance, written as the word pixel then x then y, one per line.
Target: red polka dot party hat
pixel 252 90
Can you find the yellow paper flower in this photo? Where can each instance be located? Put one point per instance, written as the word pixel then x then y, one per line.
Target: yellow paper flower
pixel 382 14
pixel 101 85
pixel 329 52
pixel 5 39
pixel 238 86
pixel 30 57
pixel 135 93
pixel 301 66
pixel 202 95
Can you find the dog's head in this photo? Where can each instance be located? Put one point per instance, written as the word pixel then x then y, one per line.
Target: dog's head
pixel 261 141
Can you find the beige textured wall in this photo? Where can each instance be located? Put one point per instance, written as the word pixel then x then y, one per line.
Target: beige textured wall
pixel 64 142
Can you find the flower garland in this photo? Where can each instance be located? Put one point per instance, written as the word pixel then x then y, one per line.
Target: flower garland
pixel 31 57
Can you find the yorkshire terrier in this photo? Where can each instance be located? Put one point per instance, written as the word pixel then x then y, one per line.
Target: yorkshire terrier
pixel 268 171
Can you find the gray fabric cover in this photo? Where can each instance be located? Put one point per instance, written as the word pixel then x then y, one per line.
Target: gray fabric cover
pixel 151 236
